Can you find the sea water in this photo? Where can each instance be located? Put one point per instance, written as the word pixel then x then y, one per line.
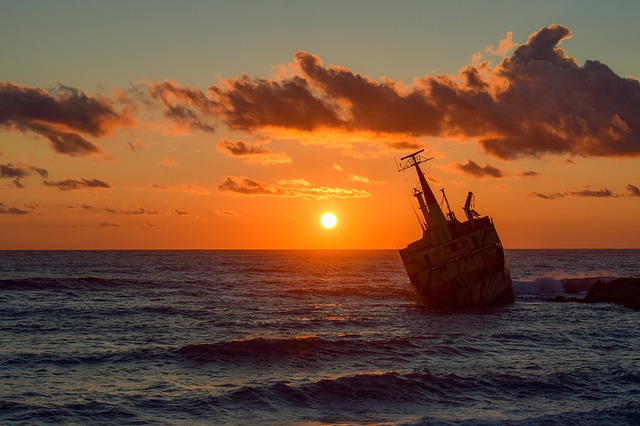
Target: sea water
pixel 307 337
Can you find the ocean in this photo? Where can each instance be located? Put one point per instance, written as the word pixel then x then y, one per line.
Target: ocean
pixel 307 338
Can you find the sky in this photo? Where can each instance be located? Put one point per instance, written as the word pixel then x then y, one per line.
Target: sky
pixel 237 125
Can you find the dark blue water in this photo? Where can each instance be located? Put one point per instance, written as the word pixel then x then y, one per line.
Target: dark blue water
pixel 307 337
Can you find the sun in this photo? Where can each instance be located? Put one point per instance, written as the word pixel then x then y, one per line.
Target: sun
pixel 329 220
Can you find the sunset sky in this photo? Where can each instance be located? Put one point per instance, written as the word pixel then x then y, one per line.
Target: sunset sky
pixel 197 124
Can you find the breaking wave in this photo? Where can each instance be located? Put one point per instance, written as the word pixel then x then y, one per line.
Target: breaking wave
pixel 557 286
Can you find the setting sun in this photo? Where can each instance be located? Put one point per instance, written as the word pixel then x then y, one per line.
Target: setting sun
pixel 329 220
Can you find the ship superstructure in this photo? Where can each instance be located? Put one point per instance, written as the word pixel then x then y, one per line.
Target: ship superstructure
pixel 455 264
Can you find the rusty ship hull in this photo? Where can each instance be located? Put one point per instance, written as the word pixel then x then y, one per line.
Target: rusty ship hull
pixel 455 264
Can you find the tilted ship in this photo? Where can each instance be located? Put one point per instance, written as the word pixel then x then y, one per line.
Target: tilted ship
pixel 455 264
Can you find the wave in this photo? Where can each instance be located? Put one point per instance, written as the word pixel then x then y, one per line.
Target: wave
pixel 302 348
pixel 373 292
pixel 91 412
pixel 557 286
pixel 67 283
pixel 370 397
pixel 375 395
pixel 70 359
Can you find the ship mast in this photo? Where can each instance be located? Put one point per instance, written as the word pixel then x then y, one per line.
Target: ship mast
pixel 426 199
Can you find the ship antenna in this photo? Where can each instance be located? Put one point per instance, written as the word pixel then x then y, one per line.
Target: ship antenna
pixel 451 214
pixel 413 207
pixel 428 204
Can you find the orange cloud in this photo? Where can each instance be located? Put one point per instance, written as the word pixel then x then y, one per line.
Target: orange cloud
pixel 632 191
pixel 474 169
pixel 528 173
pixel 168 162
pixel 251 153
pixel 12 210
pixel 505 45
pixel 226 213
pixel 294 188
pixel 536 101
pixel 185 187
pixel 248 103
pixel 109 224
pixel 131 212
pixel 64 116
pixel 20 171
pixel 363 179
pixel 73 184
pixel 185 106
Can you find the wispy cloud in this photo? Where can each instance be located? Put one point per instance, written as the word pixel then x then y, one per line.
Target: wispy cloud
pixel 187 188
pixel 75 184
pixel 168 162
pixel 474 169
pixel 294 188
pixel 132 212
pixel 185 106
pixel 363 179
pixel 528 173
pixel 226 213
pixel 12 210
pixel 632 191
pixel 251 153
pixel 20 171
pixel 504 46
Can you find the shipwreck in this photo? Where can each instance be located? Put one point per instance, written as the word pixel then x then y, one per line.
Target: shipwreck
pixel 455 264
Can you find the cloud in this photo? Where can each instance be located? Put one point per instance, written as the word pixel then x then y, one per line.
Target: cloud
pixel 294 188
pixel 633 190
pixel 189 108
pixel 249 103
pixel 591 193
pixel 474 169
pixel 185 187
pixel 12 210
pixel 601 193
pixel 251 153
pixel 546 196
pixel 550 104
pixel 536 101
pixel 182 212
pixel 72 184
pixel 226 213
pixel 504 46
pixel 64 116
pixel 20 171
pixel 168 162
pixel 363 179
pixel 82 206
pixel 528 173
pixel 131 212
pixel 108 224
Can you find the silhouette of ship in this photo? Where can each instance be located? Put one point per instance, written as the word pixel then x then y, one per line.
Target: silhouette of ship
pixel 455 264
